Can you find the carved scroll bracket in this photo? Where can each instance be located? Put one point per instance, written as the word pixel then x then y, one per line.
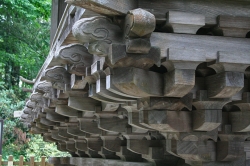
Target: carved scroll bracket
pixel 99 32
pixel 58 75
pixel 76 56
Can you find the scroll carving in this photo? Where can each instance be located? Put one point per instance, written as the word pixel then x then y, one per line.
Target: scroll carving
pixel 76 56
pixel 44 86
pixel 57 74
pixel 99 32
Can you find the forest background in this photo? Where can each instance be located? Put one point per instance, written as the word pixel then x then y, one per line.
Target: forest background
pixel 24 45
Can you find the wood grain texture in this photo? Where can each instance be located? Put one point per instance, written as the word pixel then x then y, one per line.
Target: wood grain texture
pixel 83 104
pixel 106 7
pixel 206 120
pixel 167 121
pixel 184 22
pixel 120 58
pixel 210 9
pixel 225 84
pixel 138 82
pixel 208 44
pixel 229 150
pixel 165 103
pixel 235 26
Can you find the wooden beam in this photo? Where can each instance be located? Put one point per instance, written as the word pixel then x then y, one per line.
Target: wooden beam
pixel 106 7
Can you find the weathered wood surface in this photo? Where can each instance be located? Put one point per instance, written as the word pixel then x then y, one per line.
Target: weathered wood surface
pixel 119 87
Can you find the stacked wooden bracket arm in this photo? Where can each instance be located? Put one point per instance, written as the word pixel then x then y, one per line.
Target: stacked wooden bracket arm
pixel 128 91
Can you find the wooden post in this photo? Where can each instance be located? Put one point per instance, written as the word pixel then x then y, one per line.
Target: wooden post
pixel 21 161
pixel 32 161
pixel 10 161
pixel 43 161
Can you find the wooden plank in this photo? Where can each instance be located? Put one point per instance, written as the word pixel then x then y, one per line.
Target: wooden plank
pixel 210 9
pixel 0 160
pixel 21 161
pixel 106 7
pixel 209 44
pixel 54 19
pixel 183 22
pixel 10 161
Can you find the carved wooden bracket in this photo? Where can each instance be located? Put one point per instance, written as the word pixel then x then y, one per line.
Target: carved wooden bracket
pixel 138 82
pixel 83 104
pixel 181 65
pixel 233 150
pixel 167 121
pixel 57 74
pixel 99 32
pixel 229 80
pixel 76 56
pixel 165 103
pixel 89 125
pixel 184 22
pixel 193 150
pixel 31 104
pixel 120 58
pixel 139 24
pixel 37 97
pixel 234 26
pixel 239 118
pixel 208 113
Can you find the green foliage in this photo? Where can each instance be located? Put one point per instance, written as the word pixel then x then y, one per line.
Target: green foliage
pixel 14 137
pixel 37 147
pixel 24 45
pixel 16 140
pixel 24 38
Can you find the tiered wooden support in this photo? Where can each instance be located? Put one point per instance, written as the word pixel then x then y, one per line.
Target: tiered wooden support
pixel 139 80
pixel 21 162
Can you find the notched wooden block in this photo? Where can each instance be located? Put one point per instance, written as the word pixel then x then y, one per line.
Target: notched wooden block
pixel 83 104
pixel 181 65
pixel 178 82
pixel 240 117
pixel 193 150
pixel 225 84
pixel 167 121
pixel 234 26
pixel 229 150
pixel 138 82
pixel 165 103
pixel 77 82
pixel 120 58
pixel 206 120
pixel 183 22
pixel 114 124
